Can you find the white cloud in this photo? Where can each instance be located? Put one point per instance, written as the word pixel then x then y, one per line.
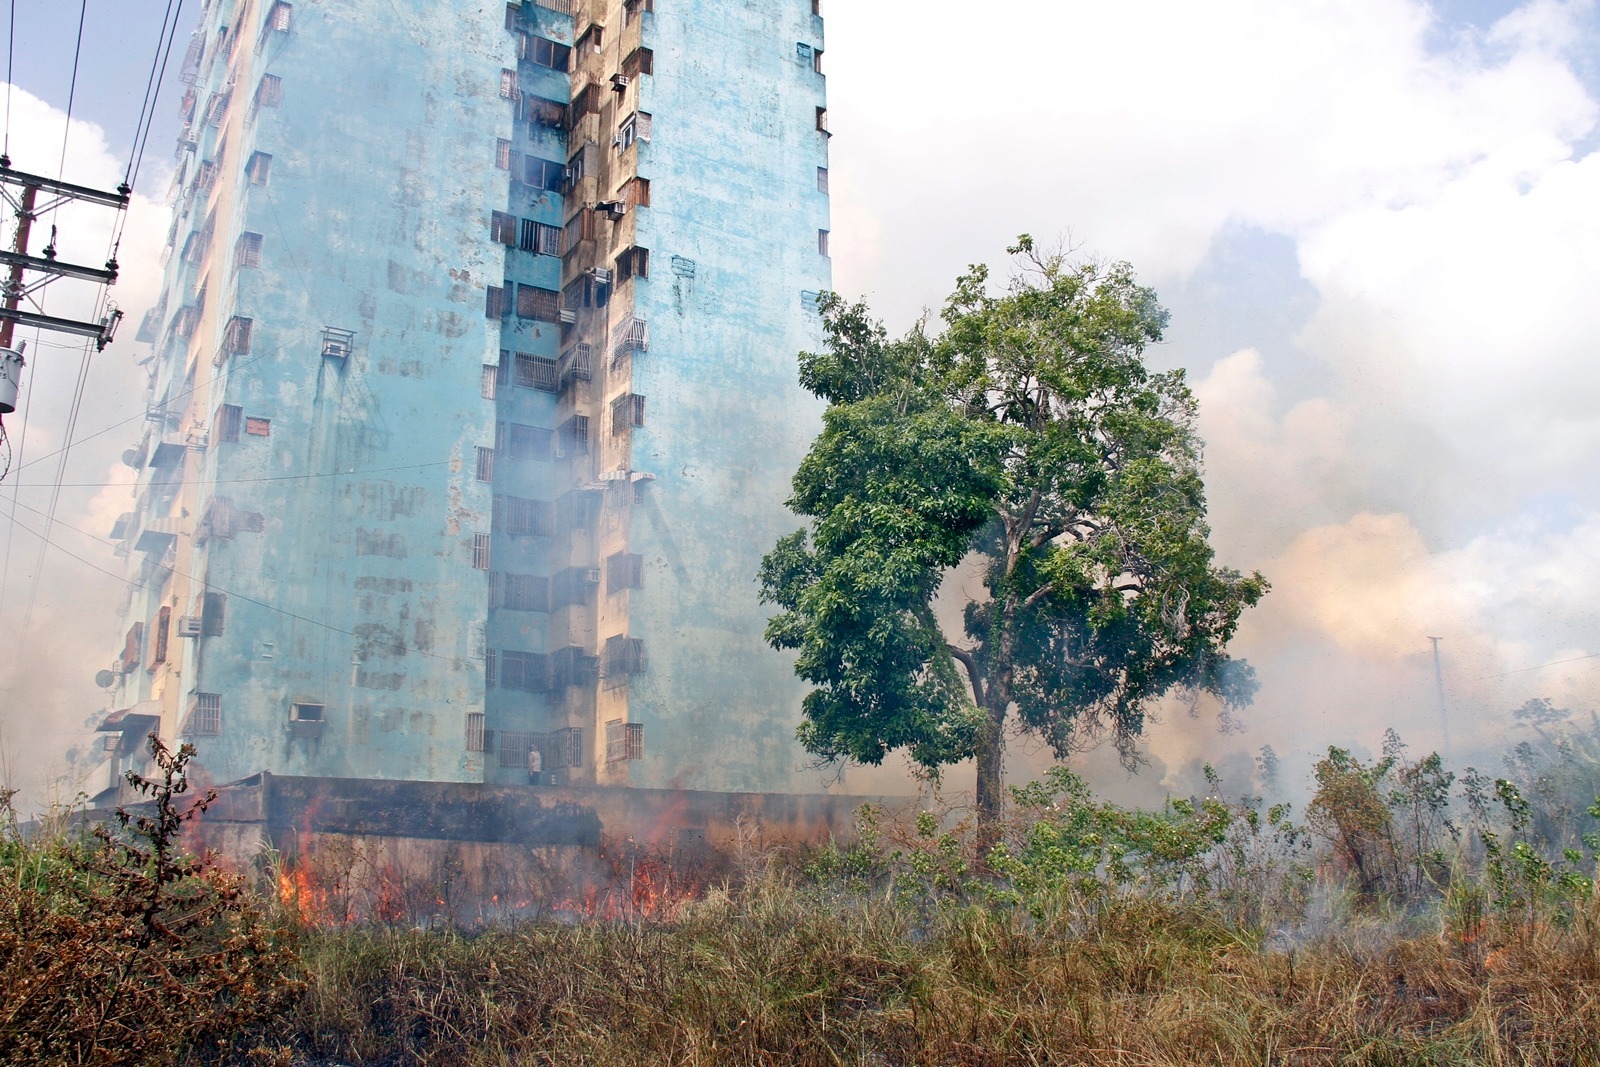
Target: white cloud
pixel 46 687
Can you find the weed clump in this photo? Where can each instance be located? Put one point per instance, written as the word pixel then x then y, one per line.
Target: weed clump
pixel 118 947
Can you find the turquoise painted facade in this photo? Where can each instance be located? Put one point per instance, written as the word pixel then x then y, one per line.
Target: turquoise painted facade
pixel 473 400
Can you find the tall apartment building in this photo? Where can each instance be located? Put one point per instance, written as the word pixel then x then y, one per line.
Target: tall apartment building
pixel 473 393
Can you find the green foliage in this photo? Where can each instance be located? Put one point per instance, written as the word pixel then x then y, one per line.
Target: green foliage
pixel 1030 431
pixel 117 947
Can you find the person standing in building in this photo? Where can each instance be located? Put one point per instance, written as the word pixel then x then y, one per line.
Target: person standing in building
pixel 535 766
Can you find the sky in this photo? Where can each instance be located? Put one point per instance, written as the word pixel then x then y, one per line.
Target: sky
pixel 1376 224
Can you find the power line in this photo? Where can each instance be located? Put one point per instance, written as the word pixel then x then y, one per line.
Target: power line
pixel 245 481
pixel 1542 666
pixel 145 105
pixel 172 35
pixel 11 46
pixel 72 89
pixel 396 646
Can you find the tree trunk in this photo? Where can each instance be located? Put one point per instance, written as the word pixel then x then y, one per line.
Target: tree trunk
pixel 991 760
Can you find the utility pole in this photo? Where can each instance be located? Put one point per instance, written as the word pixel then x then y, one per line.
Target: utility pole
pixel 17 287
pixel 1438 685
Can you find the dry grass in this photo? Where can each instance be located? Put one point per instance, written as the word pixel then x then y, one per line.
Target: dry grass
pixel 777 974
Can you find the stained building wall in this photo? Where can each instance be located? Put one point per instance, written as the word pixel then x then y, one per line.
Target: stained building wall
pixel 733 235
pixel 473 392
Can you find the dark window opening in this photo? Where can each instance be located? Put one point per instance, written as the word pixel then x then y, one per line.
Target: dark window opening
pixel 227 422
pixel 627 411
pixel 624 570
pixel 633 262
pixel 213 614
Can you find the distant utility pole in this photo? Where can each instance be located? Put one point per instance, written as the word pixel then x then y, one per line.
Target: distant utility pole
pixel 1438 685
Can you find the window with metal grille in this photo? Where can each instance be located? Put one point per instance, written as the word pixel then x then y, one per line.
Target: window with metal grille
pixel 633 262
pixel 213 614
pixel 589 40
pixel 584 226
pixel 219 519
pixel 540 239
pixel 485 464
pixel 544 174
pixel 525 592
pixel 575 365
pixel 494 303
pixel 163 629
pixel 280 16
pixel 575 435
pixel 627 411
pixel 218 107
pixel 585 101
pixel 622 656
pixel 637 192
pixel 227 422
pixel 503 228
pixel 631 9
pixel 502 153
pixel 184 321
pixel 523 516
pixel 508 84
pixel 629 335
pixel 488 381
pixel 526 671
pixel 256 426
pixel 624 570
pixel 475 731
pixel 639 61
pixel 491 673
pixel 514 746
pixel 247 251
pixel 624 741
pixel 270 92
pixel 577 509
pixel 573 666
pixel 546 53
pixel 535 372
pixel 480 551
pixel 536 303
pixel 822 241
pixel 568 745
pixel 529 442
pixel 822 179
pixel 205 715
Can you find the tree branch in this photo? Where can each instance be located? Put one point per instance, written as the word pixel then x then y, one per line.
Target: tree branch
pixel 1039 594
pixel 974 672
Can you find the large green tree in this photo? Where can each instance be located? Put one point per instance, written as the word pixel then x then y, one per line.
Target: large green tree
pixel 1031 433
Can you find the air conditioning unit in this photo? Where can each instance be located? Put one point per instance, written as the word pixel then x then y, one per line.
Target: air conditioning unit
pixel 619 82
pixel 591 575
pixel 602 275
pixel 188 626
pixel 569 315
pixel 612 209
pixel 335 349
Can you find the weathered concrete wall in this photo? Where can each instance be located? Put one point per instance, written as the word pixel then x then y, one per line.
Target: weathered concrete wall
pixel 355 165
